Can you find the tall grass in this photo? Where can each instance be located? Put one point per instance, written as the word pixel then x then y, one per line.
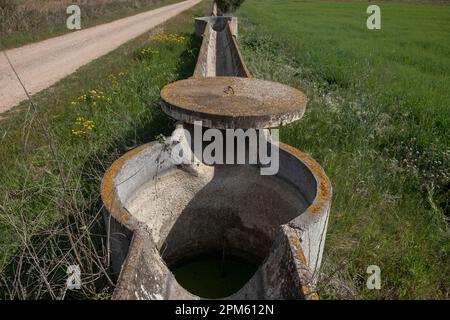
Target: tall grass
pixel 377 120
pixel 53 157
pixel 23 21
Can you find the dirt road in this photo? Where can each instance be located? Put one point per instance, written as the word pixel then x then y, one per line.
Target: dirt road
pixel 41 64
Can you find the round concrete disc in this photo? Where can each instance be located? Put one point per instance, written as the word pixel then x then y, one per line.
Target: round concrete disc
pixel 232 102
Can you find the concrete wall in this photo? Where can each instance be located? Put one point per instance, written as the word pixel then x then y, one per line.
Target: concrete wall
pixel 219 54
pixel 158 213
pixel 173 213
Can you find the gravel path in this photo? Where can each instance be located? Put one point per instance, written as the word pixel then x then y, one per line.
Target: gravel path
pixel 41 64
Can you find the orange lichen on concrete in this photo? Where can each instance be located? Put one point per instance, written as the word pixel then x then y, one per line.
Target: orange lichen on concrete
pixel 108 192
pixel 301 256
pixel 296 243
pixel 324 191
pixel 305 290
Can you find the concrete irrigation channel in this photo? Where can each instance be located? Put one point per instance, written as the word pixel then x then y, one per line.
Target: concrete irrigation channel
pixel 163 216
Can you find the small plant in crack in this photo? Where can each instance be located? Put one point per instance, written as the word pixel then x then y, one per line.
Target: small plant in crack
pixel 166 148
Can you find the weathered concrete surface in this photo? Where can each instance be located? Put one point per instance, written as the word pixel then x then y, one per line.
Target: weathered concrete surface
pixel 219 203
pixel 278 222
pixel 160 213
pixel 222 93
pixel 233 102
pixel 206 62
pixel 219 54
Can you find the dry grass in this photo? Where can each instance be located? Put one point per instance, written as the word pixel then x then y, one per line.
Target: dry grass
pixel 50 207
pixel 23 21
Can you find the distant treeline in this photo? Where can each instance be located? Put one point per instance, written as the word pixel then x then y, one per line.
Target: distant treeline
pixel 228 5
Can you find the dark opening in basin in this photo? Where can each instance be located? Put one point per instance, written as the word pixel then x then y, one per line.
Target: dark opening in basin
pixel 213 276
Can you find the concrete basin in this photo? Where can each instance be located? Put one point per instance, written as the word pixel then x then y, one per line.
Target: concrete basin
pixel 161 213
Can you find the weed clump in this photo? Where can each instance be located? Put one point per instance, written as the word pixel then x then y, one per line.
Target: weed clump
pixel 228 5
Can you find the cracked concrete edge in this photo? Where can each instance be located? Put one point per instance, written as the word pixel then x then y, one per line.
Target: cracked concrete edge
pixel 298 231
pixel 307 232
pixel 123 290
pixel 319 207
pixel 108 189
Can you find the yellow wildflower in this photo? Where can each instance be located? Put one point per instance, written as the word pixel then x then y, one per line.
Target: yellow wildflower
pixel 77 133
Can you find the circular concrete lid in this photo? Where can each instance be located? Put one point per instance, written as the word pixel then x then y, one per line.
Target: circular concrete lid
pixel 233 102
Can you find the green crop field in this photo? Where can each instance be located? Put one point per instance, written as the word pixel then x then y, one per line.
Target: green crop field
pixel 378 120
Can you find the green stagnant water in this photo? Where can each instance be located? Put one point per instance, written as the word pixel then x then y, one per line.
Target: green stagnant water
pixel 211 276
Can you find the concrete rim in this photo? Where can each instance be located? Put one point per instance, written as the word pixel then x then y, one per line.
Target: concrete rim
pixel 233 102
pixel 318 209
pixel 116 209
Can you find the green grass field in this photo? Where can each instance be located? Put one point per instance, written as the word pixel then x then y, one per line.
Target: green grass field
pixel 378 120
